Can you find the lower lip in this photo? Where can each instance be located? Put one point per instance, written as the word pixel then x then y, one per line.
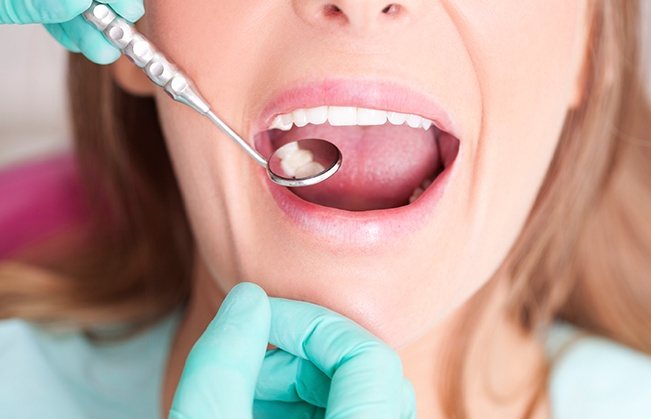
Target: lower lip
pixel 360 229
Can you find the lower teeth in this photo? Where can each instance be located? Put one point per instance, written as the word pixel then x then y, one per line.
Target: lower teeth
pixel 419 190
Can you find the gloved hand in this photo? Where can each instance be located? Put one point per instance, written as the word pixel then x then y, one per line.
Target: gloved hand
pixel 325 365
pixel 62 19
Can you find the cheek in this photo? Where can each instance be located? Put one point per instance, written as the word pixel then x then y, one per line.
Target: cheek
pixel 214 40
pixel 206 40
pixel 525 55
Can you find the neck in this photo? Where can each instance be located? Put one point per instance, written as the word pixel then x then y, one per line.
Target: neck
pixel 497 353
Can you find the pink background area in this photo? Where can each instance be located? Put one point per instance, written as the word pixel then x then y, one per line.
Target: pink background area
pixel 37 200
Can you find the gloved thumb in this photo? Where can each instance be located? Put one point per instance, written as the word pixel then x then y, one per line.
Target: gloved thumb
pixel 221 371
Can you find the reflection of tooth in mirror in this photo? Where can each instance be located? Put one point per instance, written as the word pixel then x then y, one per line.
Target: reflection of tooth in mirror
pixel 304 162
pixel 309 170
pixel 292 161
pixel 298 162
pixel 287 149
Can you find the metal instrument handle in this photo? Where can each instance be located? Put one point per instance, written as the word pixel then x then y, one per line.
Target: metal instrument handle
pixel 142 53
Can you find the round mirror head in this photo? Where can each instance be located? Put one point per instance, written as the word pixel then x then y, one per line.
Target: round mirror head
pixel 304 163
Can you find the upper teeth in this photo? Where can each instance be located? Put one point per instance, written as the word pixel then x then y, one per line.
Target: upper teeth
pixel 346 116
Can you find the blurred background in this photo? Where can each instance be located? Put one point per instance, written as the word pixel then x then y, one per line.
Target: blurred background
pixel 33 114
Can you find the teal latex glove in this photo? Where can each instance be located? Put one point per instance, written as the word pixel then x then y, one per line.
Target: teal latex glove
pixel 325 365
pixel 62 19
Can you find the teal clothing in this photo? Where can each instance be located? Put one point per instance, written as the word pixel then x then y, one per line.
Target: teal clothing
pixel 63 375
pixel 596 378
pixel 46 374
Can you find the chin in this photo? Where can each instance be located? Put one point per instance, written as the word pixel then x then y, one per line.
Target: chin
pixel 392 307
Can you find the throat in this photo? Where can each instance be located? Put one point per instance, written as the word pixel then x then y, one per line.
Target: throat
pixel 205 299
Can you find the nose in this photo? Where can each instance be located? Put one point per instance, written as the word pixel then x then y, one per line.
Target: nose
pixel 361 16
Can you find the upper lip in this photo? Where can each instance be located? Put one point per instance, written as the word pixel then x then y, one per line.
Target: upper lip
pixel 373 94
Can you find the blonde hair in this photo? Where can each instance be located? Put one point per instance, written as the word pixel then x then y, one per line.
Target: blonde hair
pixel 584 254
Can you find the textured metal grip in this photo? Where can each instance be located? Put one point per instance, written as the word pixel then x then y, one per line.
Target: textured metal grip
pixel 142 53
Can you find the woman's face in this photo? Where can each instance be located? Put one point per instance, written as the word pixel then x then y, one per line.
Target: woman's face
pixel 496 78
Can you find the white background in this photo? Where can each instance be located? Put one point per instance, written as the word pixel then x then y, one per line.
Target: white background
pixel 33 115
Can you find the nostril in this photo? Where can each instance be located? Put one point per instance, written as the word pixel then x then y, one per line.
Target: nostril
pixel 332 10
pixel 353 13
pixel 392 9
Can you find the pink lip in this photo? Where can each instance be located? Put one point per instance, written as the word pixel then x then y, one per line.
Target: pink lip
pixel 357 229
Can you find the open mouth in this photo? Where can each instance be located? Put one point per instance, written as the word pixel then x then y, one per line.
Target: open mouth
pixel 389 158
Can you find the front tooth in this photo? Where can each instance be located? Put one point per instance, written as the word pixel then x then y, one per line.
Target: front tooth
pixel 294 160
pixel 275 124
pixel 346 116
pixel 300 117
pixel 339 116
pixel 278 124
pixel 317 116
pixel 414 121
pixel 286 119
pixel 396 118
pixel 367 117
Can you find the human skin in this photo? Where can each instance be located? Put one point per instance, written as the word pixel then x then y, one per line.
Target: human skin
pixel 506 73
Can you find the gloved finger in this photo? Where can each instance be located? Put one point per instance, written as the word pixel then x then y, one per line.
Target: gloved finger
pixel 288 378
pixel 41 11
pixel 90 41
pixel 366 374
pixel 131 10
pixel 221 371
pixel 60 35
pixel 263 409
pixel 408 402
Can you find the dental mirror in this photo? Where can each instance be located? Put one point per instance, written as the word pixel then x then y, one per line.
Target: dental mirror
pixel 304 162
pixel 300 163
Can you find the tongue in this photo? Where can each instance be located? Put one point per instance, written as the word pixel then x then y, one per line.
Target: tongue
pixel 381 167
